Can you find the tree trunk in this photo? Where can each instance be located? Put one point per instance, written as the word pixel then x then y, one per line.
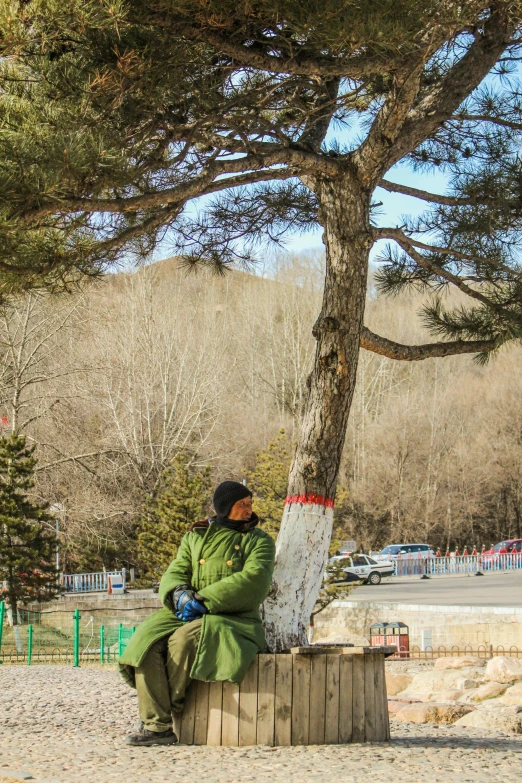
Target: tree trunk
pixel 304 537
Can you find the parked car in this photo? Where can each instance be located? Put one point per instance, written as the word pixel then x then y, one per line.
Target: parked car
pixel 402 550
pixel 363 568
pixel 514 545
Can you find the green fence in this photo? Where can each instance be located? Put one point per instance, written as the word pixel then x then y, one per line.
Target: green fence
pixel 75 639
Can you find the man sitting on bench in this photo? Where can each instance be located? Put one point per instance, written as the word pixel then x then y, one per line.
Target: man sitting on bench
pixel 210 627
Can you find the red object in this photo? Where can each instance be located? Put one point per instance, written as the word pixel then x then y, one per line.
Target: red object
pixel 513 545
pixel 465 551
pixel 438 554
pixel 474 550
pixel 448 553
pixel 456 551
pixel 310 499
pixel 383 634
pixel 5 421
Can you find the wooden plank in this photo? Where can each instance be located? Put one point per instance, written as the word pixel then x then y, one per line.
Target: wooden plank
pixel 317 699
pixel 382 721
pixel 187 719
pixel 320 649
pixel 346 689
pixel 266 700
pixel 283 700
pixel 301 699
pixel 201 716
pixel 358 699
pixel 331 731
pixel 215 713
pixel 230 720
pixel 370 698
pixel 248 706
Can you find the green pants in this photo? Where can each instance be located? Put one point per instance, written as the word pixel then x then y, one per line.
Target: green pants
pixel 164 676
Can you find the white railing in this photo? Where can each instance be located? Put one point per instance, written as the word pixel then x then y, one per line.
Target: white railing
pixel 413 565
pixel 90 583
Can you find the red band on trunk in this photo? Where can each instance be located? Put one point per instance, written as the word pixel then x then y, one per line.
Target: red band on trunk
pixel 310 499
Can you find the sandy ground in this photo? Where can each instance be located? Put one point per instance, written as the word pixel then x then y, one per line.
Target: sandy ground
pixel 65 725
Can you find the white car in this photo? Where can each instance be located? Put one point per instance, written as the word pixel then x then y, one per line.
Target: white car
pixel 364 568
pixel 411 551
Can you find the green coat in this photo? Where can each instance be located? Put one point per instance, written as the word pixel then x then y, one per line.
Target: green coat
pixel 233 572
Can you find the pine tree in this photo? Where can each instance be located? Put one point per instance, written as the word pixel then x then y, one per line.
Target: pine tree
pixel 27 541
pixel 119 114
pixel 182 499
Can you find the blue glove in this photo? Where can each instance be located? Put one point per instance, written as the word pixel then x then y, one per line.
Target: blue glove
pixel 189 608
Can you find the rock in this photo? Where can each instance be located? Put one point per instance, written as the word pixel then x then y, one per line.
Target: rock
pixel 490 690
pixel 503 669
pixel 466 684
pixel 458 663
pixel 395 683
pixel 433 681
pixel 515 690
pixel 493 720
pixel 433 713
pixel 449 695
pixel 512 701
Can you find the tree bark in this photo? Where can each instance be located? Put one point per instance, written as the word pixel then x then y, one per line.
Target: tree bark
pixel 304 537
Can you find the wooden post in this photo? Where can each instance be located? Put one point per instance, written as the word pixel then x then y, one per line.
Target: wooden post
pixel 306 696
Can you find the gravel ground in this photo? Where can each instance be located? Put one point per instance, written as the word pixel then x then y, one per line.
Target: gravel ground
pixel 65 725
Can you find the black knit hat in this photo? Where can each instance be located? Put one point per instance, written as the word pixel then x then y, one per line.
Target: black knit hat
pixel 228 493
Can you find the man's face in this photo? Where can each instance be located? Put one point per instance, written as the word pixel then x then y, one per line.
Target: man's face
pixel 241 510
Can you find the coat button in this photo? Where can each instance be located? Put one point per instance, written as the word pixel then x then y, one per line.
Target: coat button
pixel 229 562
pixel 202 561
pixel 236 546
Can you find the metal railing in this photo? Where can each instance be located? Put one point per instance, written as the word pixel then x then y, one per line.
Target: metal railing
pixel 74 639
pixel 462 564
pixel 96 582
pixel 486 651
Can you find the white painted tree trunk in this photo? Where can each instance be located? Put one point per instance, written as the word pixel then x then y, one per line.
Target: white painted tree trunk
pixel 301 555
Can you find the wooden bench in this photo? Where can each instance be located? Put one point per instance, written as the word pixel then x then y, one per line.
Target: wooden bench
pixel 308 696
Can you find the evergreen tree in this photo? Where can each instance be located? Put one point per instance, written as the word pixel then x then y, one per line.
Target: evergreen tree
pixel 269 480
pixel 116 115
pixel 182 499
pixel 27 541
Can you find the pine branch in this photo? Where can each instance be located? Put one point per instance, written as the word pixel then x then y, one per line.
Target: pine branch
pixel 444 99
pixel 424 195
pixel 487 118
pixel 256 55
pixel 408 245
pixel 414 353
pixel 319 120
pixel 201 185
pixel 466 257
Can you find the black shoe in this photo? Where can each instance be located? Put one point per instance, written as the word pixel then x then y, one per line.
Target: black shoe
pixel 145 737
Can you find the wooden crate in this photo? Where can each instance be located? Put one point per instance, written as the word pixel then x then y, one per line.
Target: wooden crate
pixel 308 696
